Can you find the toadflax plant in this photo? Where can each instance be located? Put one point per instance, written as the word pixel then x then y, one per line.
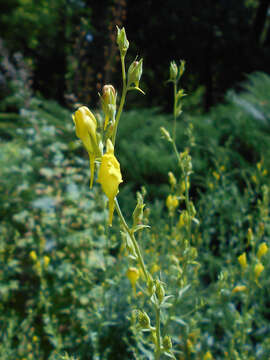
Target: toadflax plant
pixel 100 140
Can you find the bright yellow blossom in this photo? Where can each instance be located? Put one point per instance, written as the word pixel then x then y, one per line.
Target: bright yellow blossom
pixel 263 248
pixel 86 125
pixel 133 275
pixel 110 176
pixel 208 356
pixel 242 259
pixel 258 270
pixel 239 288
pixel 172 203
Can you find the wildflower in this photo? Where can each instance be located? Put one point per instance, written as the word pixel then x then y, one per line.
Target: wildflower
pixel 258 270
pixel 172 179
pixel 263 248
pixel 46 261
pixel 208 356
pixel 86 125
pixel 154 268
pixel 133 275
pixel 33 255
pixel 143 319
pixel 172 203
pixel 110 176
pixel 239 288
pixel 242 259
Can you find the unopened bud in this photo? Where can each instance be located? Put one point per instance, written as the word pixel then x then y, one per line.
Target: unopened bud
pixel 108 103
pixel 166 134
pixel 122 41
pixel 135 73
pixel 143 319
pixel 173 71
pixel 167 343
pixel 242 259
pixel 160 292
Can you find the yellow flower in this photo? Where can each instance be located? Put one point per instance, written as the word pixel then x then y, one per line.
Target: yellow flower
pixel 258 270
pixel 208 356
pixel 110 176
pixel 46 261
pixel 239 288
pixel 172 203
pixel 172 179
pixel 33 255
pixel 133 275
pixel 86 125
pixel 263 248
pixel 242 259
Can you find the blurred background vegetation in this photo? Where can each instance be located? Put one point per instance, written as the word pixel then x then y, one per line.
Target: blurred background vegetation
pixel 63 285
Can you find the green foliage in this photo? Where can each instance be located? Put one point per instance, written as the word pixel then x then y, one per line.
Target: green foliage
pixel 63 286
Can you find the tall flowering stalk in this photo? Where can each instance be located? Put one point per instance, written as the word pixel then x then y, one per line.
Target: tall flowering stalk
pixel 109 176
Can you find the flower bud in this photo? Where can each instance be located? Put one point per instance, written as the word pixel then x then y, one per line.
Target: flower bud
pixel 167 343
pixel 135 73
pixel 143 319
pixel 166 134
pixel 173 71
pixel 108 103
pixel 250 236
pixel 110 176
pixel 160 292
pixel 172 179
pixel 138 211
pixel 122 41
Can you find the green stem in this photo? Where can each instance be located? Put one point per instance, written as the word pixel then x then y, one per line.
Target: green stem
pixel 188 205
pixel 133 239
pixel 122 101
pixel 158 347
pixel 174 110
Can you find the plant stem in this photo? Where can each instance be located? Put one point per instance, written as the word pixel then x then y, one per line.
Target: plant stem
pixel 158 347
pixel 133 239
pixel 122 101
pixel 174 110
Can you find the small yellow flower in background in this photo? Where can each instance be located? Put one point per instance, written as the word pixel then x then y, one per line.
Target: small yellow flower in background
pixel 172 179
pixel 263 248
pixel 46 261
pixel 183 219
pixel 211 186
pixel 208 356
pixel 154 268
pixel 172 203
pixel 133 275
pixel 35 338
pixel 250 236
pixel 33 255
pixel 86 125
pixel 254 179
pixel 258 270
pixel 242 259
pixel 216 175
pixel 239 288
pixel 110 176
pixel 222 168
